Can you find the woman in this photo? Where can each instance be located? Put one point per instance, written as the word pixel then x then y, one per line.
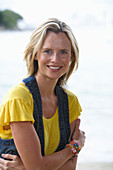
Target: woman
pixel 39 114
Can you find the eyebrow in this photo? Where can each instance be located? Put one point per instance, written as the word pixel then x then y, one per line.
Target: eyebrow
pixel 52 49
pixel 46 48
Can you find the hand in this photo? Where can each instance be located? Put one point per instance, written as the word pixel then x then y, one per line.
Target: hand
pixel 14 164
pixel 78 134
pixel 76 130
pixel 81 139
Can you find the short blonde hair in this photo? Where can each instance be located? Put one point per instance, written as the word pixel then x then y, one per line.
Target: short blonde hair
pixel 37 39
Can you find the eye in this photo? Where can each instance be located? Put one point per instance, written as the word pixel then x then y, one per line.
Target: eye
pixel 48 51
pixel 63 52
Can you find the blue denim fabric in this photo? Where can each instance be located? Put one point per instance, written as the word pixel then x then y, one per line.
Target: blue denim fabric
pixel 63 112
pixel 7 147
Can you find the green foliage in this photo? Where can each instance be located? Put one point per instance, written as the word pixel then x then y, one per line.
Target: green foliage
pixel 9 19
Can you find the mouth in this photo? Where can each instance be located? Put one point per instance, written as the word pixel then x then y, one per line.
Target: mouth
pixel 54 67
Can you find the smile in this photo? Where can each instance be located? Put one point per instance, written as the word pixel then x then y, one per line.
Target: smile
pixel 54 68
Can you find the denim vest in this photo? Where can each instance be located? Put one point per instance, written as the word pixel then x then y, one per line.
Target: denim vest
pixel 8 146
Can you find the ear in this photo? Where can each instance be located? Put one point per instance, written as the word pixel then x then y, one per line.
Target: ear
pixel 36 56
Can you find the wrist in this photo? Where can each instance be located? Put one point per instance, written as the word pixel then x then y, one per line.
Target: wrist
pixel 70 153
pixel 75 147
pixel 80 144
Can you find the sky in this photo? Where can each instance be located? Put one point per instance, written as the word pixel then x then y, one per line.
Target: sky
pixel 34 11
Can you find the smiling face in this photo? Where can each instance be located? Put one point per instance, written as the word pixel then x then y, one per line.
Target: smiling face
pixel 54 56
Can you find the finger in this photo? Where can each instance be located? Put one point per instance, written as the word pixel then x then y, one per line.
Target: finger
pixel 2 162
pixel 76 131
pixel 8 156
pixel 2 167
pixel 83 132
pixel 77 125
pixel 78 119
pixel 84 135
pixel 6 163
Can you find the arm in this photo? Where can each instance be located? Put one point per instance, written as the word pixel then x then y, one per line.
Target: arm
pixel 17 164
pixel 28 146
pixel 69 165
pixel 75 129
pixel 13 162
pixel 79 135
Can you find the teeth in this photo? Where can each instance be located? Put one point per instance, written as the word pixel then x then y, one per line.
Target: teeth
pixel 55 68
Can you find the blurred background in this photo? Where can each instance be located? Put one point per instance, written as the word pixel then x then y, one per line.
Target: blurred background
pixel 92 24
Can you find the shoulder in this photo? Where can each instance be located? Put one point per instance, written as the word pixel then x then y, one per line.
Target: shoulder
pixel 73 101
pixel 17 105
pixel 74 106
pixel 71 96
pixel 19 91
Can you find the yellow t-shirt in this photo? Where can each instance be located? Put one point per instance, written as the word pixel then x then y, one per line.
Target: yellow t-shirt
pixel 18 106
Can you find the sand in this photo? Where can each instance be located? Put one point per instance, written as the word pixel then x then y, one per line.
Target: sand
pixel 95 166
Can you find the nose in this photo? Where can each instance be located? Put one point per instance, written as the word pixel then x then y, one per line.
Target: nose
pixel 55 57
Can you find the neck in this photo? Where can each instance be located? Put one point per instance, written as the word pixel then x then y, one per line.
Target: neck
pixel 46 86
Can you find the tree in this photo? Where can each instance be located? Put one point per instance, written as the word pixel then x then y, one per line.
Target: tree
pixel 9 19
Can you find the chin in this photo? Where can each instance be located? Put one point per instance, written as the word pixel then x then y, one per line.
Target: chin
pixel 54 77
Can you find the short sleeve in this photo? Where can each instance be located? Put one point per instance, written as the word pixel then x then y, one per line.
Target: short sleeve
pixel 17 106
pixel 74 106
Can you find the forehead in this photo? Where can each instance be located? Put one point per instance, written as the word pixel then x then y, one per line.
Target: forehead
pixel 56 40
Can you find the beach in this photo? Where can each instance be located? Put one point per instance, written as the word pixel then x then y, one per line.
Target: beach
pixel 92 84
pixel 95 166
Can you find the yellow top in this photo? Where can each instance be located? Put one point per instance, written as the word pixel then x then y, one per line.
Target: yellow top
pixel 18 106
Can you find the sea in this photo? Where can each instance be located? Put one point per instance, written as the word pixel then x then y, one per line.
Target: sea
pixel 92 83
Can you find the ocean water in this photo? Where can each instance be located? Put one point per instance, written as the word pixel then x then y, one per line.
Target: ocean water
pixel 92 83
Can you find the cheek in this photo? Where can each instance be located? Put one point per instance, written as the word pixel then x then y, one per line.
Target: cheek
pixel 67 61
pixel 42 58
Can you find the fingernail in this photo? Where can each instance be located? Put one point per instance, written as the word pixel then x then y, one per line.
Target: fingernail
pixel 3 154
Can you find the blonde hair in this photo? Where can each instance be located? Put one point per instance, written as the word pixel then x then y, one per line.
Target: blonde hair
pixel 37 39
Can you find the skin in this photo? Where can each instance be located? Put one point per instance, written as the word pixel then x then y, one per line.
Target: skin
pixel 53 60
pixel 54 53
pixel 17 164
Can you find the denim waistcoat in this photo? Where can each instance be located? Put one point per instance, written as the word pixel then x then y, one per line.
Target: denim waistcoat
pixel 8 146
